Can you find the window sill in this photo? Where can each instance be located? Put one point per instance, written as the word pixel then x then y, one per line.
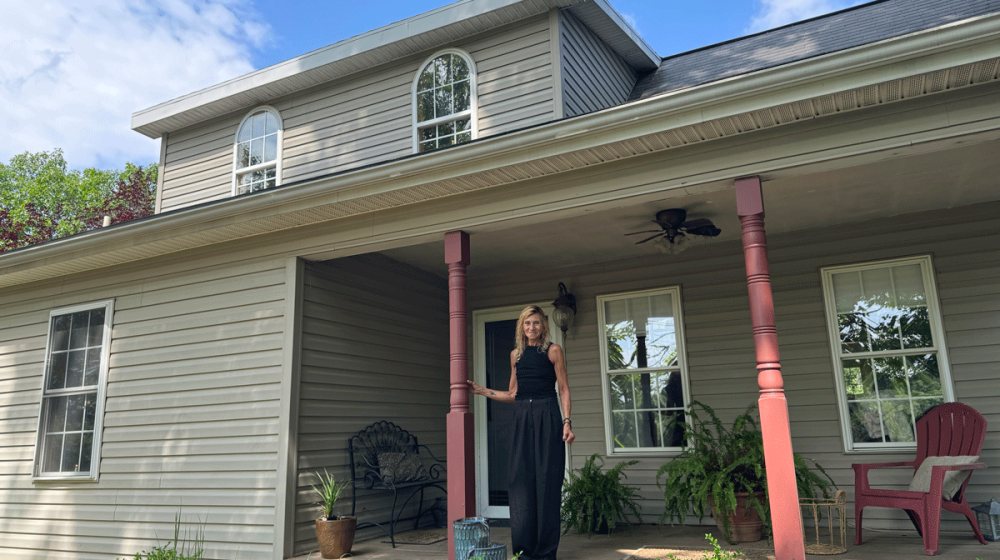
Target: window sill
pixel 883 451
pixel 83 479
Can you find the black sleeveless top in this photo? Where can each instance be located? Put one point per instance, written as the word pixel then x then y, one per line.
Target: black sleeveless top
pixel 536 375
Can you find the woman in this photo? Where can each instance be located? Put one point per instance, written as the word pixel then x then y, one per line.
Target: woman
pixel 537 457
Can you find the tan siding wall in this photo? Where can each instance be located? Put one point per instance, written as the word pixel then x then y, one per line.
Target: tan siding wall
pixel 374 347
pixel 594 77
pixel 368 119
pixel 720 344
pixel 190 421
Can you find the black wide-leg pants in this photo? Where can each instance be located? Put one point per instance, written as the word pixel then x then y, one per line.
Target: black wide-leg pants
pixel 535 475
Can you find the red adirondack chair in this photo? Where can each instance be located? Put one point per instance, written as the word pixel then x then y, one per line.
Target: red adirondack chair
pixel 950 429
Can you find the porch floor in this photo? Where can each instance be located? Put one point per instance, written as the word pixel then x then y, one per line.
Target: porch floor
pixel 878 545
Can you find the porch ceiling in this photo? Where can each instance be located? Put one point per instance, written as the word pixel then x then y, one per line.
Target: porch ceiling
pixel 797 199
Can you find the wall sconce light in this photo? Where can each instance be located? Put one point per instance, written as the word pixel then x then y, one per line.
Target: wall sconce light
pixel 565 309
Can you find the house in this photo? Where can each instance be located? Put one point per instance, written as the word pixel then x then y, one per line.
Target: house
pixel 292 287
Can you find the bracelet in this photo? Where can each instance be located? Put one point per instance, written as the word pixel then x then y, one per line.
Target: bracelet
pixel 568 421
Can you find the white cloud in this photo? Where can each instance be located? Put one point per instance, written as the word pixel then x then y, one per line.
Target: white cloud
pixel 775 13
pixel 632 22
pixel 77 71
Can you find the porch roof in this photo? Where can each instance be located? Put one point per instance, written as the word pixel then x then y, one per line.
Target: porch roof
pixel 913 66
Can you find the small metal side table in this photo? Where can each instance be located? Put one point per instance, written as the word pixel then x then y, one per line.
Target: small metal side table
pixel 835 511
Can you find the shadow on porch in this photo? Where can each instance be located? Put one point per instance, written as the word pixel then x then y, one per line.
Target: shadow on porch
pixel 878 545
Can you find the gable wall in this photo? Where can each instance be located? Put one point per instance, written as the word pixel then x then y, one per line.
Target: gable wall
pixel 191 422
pixel 368 118
pixel 374 347
pixel 594 77
pixel 720 348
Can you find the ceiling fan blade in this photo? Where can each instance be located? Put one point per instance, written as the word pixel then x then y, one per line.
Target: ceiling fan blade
pixel 647 231
pixel 697 223
pixel 649 238
pixel 707 231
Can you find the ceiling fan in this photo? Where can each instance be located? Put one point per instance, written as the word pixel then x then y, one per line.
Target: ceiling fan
pixel 674 227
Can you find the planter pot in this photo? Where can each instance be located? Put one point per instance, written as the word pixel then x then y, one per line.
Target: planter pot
pixel 596 529
pixel 745 525
pixel 336 536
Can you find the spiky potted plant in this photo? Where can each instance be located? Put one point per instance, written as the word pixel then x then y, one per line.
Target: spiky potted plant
pixel 596 501
pixel 335 533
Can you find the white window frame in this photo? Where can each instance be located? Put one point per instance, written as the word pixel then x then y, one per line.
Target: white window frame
pixel 95 452
pixel 276 164
pixel 472 113
pixel 675 294
pixel 937 331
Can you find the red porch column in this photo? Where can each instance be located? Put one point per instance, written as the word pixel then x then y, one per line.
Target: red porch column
pixel 782 491
pixel 461 468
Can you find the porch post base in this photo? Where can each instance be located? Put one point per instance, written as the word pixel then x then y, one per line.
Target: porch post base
pixel 461 471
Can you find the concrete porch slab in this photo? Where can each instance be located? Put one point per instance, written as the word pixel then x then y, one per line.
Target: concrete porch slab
pixel 878 545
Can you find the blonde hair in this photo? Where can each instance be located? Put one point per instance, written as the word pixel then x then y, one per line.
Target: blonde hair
pixel 521 340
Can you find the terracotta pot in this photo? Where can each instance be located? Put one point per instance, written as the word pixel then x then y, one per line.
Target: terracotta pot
pixel 744 525
pixel 336 536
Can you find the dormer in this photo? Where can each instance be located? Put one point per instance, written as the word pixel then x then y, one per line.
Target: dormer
pixel 466 71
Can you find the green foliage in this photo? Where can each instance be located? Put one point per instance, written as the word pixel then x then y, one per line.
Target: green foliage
pixel 329 492
pixel 719 463
pixel 190 548
pixel 41 199
pixel 594 497
pixel 717 551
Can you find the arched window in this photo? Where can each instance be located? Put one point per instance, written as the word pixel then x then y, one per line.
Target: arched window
pixel 257 157
pixel 444 100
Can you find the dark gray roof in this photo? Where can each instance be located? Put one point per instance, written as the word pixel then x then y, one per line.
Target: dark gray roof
pixel 860 25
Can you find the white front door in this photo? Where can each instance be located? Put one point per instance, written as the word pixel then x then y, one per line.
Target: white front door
pixel 494 340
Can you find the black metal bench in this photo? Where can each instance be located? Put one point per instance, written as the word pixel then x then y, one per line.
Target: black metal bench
pixel 387 458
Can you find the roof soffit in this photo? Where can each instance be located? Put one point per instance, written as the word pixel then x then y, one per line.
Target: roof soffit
pixel 698 115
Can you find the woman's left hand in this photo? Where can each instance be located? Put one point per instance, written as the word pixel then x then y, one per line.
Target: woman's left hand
pixel 568 436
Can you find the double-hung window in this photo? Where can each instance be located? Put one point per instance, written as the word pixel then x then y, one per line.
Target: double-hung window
pixel 444 99
pixel 76 364
pixel 888 349
pixel 643 370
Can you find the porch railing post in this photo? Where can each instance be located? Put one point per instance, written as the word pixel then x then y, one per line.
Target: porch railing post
pixel 461 467
pixel 783 494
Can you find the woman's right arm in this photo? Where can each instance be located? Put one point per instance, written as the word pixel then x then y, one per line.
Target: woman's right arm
pixel 497 395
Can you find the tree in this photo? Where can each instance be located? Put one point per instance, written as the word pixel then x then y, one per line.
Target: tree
pixel 41 199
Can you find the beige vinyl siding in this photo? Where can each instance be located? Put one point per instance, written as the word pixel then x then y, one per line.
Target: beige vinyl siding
pixel 374 347
pixel 190 418
pixel 594 77
pixel 368 118
pixel 720 343
pixel 198 165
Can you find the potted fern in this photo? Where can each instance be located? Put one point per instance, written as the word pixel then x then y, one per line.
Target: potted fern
pixel 334 533
pixel 722 470
pixel 596 501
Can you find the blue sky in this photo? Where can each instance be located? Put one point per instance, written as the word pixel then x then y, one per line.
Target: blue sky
pixel 73 77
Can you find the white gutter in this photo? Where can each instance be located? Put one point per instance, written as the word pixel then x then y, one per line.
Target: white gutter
pixel 926 51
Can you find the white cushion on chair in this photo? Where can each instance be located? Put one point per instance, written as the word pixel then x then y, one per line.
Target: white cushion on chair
pixel 952 479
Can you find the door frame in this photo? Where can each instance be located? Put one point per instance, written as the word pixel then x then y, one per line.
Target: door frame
pixel 479 319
